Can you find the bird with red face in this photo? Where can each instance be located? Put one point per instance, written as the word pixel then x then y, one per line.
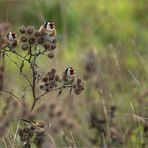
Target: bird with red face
pixel 68 76
pixel 48 31
pixel 12 40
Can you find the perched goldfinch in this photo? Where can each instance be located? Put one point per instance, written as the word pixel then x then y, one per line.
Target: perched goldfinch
pixel 12 40
pixel 38 125
pixel 48 31
pixel 68 76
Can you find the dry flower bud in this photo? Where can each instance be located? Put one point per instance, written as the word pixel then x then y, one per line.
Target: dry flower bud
pixel 54 41
pixel 51 76
pixel 62 122
pixel 51 86
pixel 45 79
pixel 41 41
pixel 77 92
pixel 51 55
pixel 37 33
pixel 47 46
pixel 23 39
pixel 22 30
pixel 53 46
pixel 70 125
pixel 30 30
pixel 59 113
pixel 57 78
pixel 78 86
pixel 41 108
pixel 41 86
pixel 51 114
pixel 25 46
pixel 53 71
pixel 52 106
pixel 31 40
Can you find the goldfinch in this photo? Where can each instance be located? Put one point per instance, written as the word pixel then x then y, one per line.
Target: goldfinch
pixel 12 40
pixel 68 76
pixel 67 79
pixel 38 125
pixel 48 31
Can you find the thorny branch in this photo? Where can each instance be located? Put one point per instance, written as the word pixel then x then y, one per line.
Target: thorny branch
pixel 16 53
pixel 33 82
pixel 32 66
pixel 48 92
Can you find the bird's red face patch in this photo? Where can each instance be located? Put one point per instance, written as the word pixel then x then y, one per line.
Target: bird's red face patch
pixel 13 34
pixel 52 25
pixel 72 72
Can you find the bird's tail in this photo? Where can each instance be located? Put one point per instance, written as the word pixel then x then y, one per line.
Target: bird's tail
pixel 25 120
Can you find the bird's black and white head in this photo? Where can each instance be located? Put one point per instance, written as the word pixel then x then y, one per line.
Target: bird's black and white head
pixel 70 72
pixel 11 36
pixel 50 26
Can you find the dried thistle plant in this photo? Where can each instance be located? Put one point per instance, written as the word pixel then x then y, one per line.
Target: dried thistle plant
pixel 33 46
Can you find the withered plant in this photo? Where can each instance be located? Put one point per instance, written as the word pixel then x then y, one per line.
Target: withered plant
pixel 33 46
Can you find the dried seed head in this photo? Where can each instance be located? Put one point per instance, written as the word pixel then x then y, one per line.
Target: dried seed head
pixel 78 86
pixel 51 86
pixel 39 139
pixel 30 30
pixel 20 131
pixel 25 134
pixel 22 30
pixel 47 46
pixel 46 84
pixel 23 39
pixel 77 92
pixel 70 125
pixel 51 76
pixel 113 108
pixel 55 84
pixel 79 81
pixel 37 33
pixel 41 108
pixel 53 46
pixel 45 79
pixel 62 122
pixel 41 86
pixel 32 40
pixel 51 55
pixel 32 128
pixel 51 114
pixel 15 104
pixel 52 106
pixel 26 130
pixel 59 113
pixel 54 41
pixel 53 71
pixel 57 78
pixel 25 46
pixel 40 40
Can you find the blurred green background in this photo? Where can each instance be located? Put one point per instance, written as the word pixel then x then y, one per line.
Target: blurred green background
pixel 117 29
pixel 84 24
